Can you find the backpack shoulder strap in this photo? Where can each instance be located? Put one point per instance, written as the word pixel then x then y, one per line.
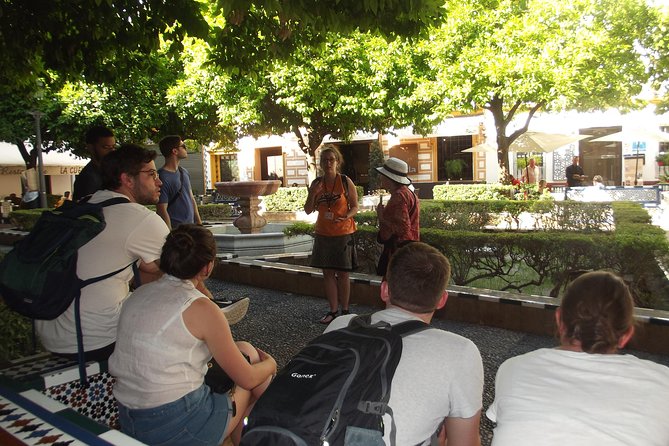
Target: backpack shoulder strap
pixel 409 327
pixel 83 207
pixel 402 329
pixel 113 201
pixel 344 181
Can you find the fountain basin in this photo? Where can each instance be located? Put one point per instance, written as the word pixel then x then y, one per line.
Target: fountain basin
pixel 269 240
pixel 249 222
pixel 248 188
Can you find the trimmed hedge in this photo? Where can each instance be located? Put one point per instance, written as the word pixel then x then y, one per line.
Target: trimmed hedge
pixel 292 199
pixel 17 333
pixel 214 212
pixel 460 192
pixel 552 256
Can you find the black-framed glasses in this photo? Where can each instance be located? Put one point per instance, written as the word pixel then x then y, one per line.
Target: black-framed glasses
pixel 152 172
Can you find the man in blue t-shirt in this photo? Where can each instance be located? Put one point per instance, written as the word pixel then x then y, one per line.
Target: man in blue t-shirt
pixel 176 204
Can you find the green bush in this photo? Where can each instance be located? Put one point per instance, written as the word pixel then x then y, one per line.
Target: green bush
pixel 473 192
pixel 214 212
pixel 572 242
pixel 291 199
pixel 474 215
pixel 17 333
pixel 286 199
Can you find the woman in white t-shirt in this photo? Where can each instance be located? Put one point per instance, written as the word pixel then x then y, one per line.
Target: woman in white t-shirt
pixel 583 392
pixel 167 333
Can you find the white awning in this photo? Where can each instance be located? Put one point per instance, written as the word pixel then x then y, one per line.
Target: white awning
pixel 55 163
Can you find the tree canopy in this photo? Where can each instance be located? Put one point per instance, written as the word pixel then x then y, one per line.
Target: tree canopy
pixel 106 50
pixel 359 82
pixel 517 57
pixel 215 71
pixel 98 38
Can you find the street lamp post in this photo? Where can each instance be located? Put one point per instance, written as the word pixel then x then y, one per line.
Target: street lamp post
pixel 40 162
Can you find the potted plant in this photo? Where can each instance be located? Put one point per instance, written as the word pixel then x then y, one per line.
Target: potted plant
pixel 454 168
pixel 662 159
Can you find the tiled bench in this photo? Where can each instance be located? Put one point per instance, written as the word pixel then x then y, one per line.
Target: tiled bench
pixel 42 402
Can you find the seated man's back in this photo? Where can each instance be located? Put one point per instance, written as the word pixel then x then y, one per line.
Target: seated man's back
pixel 440 375
pixel 439 379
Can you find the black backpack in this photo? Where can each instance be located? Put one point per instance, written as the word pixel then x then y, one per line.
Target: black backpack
pixel 38 277
pixel 335 391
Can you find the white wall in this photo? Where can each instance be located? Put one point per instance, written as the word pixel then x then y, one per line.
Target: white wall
pixel 61 183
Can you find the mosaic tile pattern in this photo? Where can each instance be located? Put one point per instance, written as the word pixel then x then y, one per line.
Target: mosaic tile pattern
pixel 29 429
pixel 29 369
pixel 96 401
pixel 23 421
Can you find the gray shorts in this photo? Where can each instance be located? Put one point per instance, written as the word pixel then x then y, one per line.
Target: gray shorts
pixel 334 252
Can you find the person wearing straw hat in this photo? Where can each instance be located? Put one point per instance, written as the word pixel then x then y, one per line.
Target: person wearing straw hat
pixel 399 219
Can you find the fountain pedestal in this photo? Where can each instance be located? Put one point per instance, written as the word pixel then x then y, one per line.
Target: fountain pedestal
pixel 249 222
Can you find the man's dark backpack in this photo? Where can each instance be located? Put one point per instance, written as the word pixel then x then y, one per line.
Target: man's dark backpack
pixel 38 277
pixel 335 391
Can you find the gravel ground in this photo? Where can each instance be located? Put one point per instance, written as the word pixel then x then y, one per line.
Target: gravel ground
pixel 281 323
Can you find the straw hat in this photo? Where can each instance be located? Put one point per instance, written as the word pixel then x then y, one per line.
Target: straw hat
pixel 396 170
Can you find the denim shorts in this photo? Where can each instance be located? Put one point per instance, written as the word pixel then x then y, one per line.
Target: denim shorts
pixel 199 418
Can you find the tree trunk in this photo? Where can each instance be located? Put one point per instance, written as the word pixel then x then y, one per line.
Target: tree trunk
pixel 29 158
pixel 309 143
pixel 496 107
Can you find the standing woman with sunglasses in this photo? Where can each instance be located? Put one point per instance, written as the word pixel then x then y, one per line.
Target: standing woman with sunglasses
pixel 335 198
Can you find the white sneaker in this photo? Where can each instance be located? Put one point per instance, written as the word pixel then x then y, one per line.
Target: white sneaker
pixel 236 311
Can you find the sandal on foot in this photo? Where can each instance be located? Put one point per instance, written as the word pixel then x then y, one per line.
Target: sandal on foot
pixel 344 312
pixel 329 317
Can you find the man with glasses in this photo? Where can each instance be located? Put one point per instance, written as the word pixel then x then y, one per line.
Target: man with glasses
pixel 133 234
pixel 99 142
pixel 177 204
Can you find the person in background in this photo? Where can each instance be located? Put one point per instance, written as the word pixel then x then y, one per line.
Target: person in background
pixel 584 392
pixel 168 332
pixel 336 200
pixel 100 141
pixel 532 172
pixel 436 392
pixel 63 199
pixel 399 220
pixel 598 181
pixel 177 204
pixel 574 173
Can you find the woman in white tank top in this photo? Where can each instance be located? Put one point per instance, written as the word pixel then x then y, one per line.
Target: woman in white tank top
pixel 168 331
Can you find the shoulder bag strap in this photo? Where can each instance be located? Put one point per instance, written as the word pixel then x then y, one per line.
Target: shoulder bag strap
pixel 181 188
pixel 344 181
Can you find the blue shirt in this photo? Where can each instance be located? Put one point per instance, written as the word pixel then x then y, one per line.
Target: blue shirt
pixel 181 208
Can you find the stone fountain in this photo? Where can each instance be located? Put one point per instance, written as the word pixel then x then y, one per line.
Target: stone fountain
pixel 249 222
pixel 251 235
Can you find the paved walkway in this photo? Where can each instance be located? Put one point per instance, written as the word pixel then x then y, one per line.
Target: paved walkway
pixel 281 323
